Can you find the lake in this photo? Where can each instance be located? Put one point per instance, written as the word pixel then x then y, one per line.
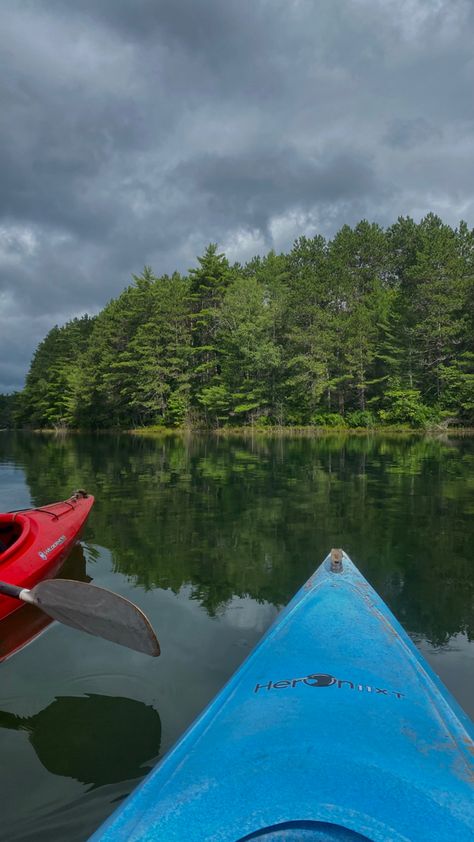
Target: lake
pixel 211 537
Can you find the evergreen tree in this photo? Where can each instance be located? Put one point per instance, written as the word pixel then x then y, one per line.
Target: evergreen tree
pixel 50 390
pixel 435 295
pixel 207 286
pixel 250 355
pixel 310 330
pixel 161 350
pixel 109 374
pixel 359 283
pixel 8 408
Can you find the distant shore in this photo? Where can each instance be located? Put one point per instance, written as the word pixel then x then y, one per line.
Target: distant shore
pixel 255 431
pixel 303 431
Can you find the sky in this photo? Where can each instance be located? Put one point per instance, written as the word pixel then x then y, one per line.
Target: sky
pixel 135 132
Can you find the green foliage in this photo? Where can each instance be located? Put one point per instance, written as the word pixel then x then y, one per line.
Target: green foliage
pixel 371 324
pixel 207 285
pixel 405 407
pixel 328 419
pixel 457 387
pixel 250 351
pixel 51 393
pixel 360 418
pixel 216 401
pixel 9 405
pixel 177 409
pixel 263 421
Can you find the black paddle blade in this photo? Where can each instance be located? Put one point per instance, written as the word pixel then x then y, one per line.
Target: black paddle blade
pixel 96 611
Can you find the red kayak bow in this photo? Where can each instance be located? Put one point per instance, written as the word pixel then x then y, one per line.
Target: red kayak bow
pixel 34 543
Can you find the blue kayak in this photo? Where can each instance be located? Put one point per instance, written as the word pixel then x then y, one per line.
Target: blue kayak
pixel 334 728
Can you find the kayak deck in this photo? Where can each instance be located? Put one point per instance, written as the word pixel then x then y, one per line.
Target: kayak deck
pixel 333 728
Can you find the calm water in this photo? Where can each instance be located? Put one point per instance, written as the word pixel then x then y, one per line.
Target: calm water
pixel 211 538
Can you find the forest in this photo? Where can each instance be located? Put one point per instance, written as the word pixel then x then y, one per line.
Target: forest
pixel 373 327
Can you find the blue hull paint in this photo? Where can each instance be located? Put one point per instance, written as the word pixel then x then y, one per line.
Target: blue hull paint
pixel 334 728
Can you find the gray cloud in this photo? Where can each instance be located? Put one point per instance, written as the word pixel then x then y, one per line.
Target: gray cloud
pixel 254 185
pixel 136 131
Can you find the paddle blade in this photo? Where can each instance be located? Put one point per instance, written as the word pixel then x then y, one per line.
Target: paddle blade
pixel 96 611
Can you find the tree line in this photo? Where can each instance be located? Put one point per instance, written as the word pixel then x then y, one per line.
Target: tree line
pixel 375 326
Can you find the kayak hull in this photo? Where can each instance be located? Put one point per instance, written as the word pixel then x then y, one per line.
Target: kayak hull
pixel 35 543
pixel 333 728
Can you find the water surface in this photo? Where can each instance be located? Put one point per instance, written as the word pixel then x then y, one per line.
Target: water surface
pixel 211 538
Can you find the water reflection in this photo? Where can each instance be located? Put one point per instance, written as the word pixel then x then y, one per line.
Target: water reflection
pixel 254 517
pixel 95 739
pixel 208 537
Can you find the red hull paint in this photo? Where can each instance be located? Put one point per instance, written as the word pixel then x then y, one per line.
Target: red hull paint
pixel 45 536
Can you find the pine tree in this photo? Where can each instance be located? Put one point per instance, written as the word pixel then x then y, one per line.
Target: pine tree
pixel 250 356
pixel 436 297
pixel 207 285
pixel 51 381
pixel 162 349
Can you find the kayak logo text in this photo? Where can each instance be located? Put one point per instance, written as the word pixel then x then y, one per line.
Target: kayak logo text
pixel 322 679
pixel 45 553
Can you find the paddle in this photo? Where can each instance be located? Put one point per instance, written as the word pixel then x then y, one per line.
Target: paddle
pixel 91 609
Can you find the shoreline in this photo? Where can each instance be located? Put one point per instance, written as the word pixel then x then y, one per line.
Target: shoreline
pixel 260 432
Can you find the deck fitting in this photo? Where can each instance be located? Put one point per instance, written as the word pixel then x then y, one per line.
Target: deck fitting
pixel 336 561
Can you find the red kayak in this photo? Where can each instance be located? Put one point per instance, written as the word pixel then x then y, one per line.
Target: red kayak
pixel 34 543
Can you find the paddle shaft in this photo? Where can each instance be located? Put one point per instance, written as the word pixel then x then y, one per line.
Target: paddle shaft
pixel 14 591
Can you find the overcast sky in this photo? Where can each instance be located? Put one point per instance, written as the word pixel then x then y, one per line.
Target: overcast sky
pixel 138 131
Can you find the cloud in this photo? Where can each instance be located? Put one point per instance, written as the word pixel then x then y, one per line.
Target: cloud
pixel 254 185
pixel 137 132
